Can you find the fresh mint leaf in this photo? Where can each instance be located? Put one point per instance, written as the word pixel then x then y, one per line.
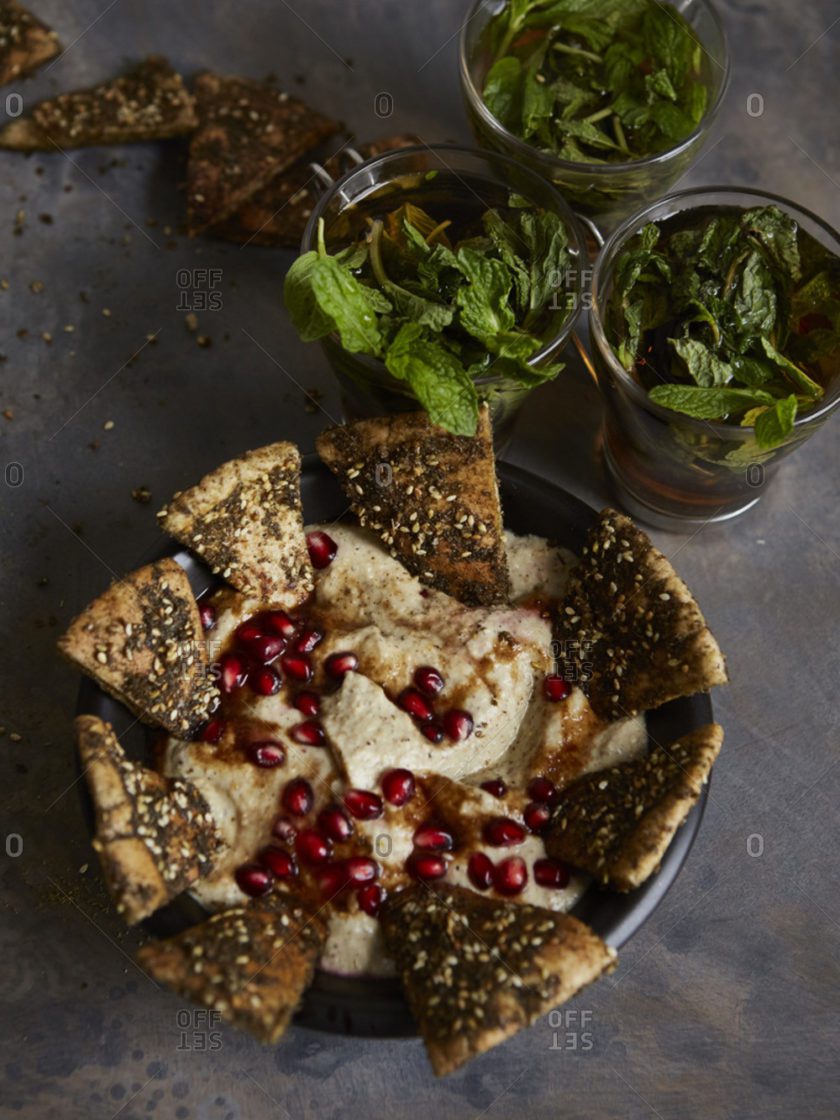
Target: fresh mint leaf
pixel 308 318
pixel 704 366
pixel 793 373
pixel 484 304
pixel 708 404
pixel 437 378
pixel 777 233
pixel 774 425
pixel 503 92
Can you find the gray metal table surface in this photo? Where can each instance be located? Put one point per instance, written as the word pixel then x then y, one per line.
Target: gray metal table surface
pixel 725 1005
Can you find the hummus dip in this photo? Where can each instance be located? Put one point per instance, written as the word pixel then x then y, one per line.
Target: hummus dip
pixel 350 727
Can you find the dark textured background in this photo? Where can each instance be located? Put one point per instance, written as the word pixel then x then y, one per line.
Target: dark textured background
pixel 726 1004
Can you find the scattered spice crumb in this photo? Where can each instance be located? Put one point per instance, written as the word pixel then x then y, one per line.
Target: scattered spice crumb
pixel 311 400
pixel 68 328
pixel 4 284
pixel 47 337
pixel 106 311
pixel 108 425
pixel 37 286
pixel 8 413
pixel 22 332
pixel 191 321
pixel 15 737
pixel 152 339
pixel 84 297
pixel 83 868
pixel 42 582
pixel 47 219
pixel 204 340
pixel 142 494
pixel 94 445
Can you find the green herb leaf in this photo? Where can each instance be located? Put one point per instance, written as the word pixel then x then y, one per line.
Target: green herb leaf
pixel 705 367
pixel 792 372
pixel 437 378
pixel 708 404
pixel 776 424
pixel 484 299
pixel 503 92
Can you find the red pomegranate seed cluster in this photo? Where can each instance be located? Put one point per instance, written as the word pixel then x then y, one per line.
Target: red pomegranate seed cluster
pixel 428 683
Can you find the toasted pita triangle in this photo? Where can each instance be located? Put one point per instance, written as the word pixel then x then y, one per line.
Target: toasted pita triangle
pixel 155 836
pixel 252 964
pixel 248 133
pixel 25 42
pixel 635 635
pixel 142 641
pixel 431 496
pixel 244 519
pixel 277 214
pixel 476 970
pixel 616 824
pixel 150 102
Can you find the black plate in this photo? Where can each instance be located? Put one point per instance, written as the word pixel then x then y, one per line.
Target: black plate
pixel 375 1007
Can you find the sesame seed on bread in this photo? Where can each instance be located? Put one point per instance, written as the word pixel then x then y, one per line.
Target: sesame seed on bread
pixel 252 963
pixel 244 520
pixel 142 641
pixel 248 133
pixel 616 824
pixel 635 636
pixel 149 102
pixel 155 836
pixel 432 497
pixel 476 970
pixel 25 42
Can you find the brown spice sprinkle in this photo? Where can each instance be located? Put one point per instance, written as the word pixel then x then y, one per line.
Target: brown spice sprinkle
pixel 430 496
pixel 476 970
pixel 252 963
pixel 142 641
pixel 635 635
pixel 25 42
pixel 149 102
pixel 154 836
pixel 616 824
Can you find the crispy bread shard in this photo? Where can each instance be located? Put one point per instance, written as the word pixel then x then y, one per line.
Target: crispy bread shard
pixel 248 133
pixel 142 641
pixel 616 824
pixel 277 214
pixel 432 497
pixel 252 964
pixel 25 42
pixel 638 638
pixel 475 970
pixel 150 102
pixel 155 836
pixel 244 519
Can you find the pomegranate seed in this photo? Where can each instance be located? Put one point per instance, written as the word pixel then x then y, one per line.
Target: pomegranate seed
pixel 298 797
pixel 432 730
pixel 363 804
pixel 322 548
pixel 503 832
pixel 428 680
pixel 278 622
pixel 335 823
pixel 426 866
pixel 207 614
pixel 312 847
pixel 331 879
pixel 253 879
pixel 541 789
pixel 551 873
pixel 370 898
pixel 337 664
pixel 279 862
pixel 297 667
pixel 398 786
pixel 537 815
pixel 495 786
pixel 309 732
pixel 265 681
pixel 361 869
pixel 417 706
pixel 433 839
pixel 267 647
pixel 248 632
pixel 510 876
pixel 458 724
pixel 555 688
pixel 307 640
pixel 309 703
pixel 213 730
pixel 284 830
pixel 480 871
pixel 232 673
pixel 267 753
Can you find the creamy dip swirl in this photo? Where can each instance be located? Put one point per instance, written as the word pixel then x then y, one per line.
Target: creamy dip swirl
pixel 493 661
